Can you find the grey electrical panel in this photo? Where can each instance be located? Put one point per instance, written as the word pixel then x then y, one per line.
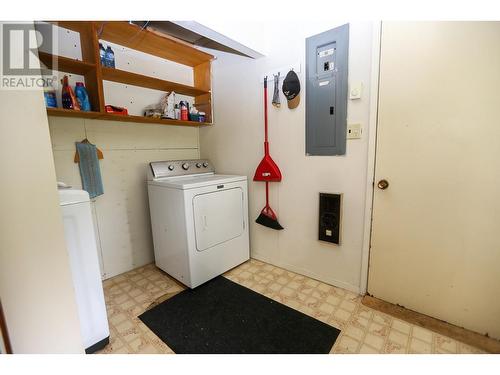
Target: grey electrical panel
pixel 326 91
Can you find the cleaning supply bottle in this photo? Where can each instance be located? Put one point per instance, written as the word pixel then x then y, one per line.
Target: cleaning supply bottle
pixel 177 112
pixel 102 54
pixel 50 97
pixel 184 110
pixel 82 96
pixel 68 96
pixel 110 57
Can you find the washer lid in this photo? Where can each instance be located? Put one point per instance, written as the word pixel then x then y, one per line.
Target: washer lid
pixel 72 196
pixel 196 181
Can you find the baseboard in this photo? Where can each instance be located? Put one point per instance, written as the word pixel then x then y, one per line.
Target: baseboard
pixel 457 333
pixel 305 272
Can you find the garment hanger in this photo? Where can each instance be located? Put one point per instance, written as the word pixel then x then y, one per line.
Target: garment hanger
pixel 100 155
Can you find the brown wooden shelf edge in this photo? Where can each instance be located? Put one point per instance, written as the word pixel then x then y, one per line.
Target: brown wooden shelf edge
pixel 60 112
pixel 65 64
pixel 134 79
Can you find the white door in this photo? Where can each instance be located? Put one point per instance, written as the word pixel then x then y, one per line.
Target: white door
pixel 435 236
pixel 218 217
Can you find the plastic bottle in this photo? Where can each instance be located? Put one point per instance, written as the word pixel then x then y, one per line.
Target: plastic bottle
pixel 177 112
pixel 68 96
pixel 201 116
pixel 110 58
pixel 82 96
pixel 193 114
pixel 102 53
pixel 184 111
pixel 50 98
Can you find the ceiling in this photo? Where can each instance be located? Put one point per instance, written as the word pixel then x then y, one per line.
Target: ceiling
pixel 199 35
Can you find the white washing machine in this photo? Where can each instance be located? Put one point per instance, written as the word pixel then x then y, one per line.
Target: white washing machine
pixel 199 219
pixel 84 263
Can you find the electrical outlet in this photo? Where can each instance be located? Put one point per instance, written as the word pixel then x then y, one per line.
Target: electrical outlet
pixel 354 131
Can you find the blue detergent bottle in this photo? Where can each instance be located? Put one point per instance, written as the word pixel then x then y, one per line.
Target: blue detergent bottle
pixel 110 57
pixel 102 54
pixel 82 96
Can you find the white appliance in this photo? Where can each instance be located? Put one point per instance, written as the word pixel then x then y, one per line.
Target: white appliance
pixel 199 219
pixel 84 262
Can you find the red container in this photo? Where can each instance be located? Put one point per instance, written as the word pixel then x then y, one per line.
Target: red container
pixel 116 110
pixel 184 111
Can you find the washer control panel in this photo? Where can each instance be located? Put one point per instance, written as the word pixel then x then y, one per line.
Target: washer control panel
pixel 172 168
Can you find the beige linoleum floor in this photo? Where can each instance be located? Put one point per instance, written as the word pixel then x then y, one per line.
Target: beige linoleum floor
pixel 363 330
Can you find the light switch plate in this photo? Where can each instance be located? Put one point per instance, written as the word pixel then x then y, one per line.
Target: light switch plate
pixel 356 90
pixel 354 131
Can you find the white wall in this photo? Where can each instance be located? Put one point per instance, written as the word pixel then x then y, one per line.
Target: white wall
pixel 235 145
pixel 35 277
pixel 121 215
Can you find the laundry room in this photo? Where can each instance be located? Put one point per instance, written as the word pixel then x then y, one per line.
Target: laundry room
pixel 249 186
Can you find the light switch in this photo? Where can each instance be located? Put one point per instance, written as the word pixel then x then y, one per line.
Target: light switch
pixel 356 90
pixel 354 131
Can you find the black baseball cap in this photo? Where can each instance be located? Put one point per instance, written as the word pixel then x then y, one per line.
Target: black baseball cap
pixel 291 89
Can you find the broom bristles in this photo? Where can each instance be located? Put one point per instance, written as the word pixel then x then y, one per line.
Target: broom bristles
pixel 268 222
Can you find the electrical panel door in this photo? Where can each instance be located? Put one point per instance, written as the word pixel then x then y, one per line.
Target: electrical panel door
pixel 326 91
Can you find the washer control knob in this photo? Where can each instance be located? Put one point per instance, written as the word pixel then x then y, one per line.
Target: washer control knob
pixel 185 166
pixel 170 167
pixel 198 165
pixel 205 164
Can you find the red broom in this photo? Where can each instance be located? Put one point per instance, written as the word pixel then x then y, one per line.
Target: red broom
pixel 267 171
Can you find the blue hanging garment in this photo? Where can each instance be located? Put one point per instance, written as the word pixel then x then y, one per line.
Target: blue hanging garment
pixel 89 169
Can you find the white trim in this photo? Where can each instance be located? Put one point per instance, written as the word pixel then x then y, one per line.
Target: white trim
pixel 372 139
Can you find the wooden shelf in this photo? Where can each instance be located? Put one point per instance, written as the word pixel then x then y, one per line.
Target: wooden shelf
pixel 150 120
pixel 61 112
pixel 64 64
pixel 122 76
pixel 144 40
pixel 152 42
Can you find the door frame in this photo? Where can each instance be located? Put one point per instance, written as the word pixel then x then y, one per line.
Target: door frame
pixel 372 145
pixel 5 345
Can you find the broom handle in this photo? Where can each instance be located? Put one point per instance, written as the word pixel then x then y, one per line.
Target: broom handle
pixel 265 110
pixel 267 194
pixel 266 144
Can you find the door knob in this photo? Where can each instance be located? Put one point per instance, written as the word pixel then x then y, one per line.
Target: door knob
pixel 383 184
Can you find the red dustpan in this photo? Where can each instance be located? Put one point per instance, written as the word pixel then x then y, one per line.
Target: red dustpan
pixel 267 169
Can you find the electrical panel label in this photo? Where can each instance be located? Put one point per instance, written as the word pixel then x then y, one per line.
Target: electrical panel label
pixel 326 52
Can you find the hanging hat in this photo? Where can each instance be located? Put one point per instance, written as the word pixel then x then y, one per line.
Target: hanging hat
pixel 291 89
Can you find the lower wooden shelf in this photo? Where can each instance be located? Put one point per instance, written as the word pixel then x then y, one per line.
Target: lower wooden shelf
pixel 114 117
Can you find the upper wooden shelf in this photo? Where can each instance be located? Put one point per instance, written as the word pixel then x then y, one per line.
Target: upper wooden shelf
pixel 65 64
pixel 122 76
pixel 144 40
pixel 152 42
